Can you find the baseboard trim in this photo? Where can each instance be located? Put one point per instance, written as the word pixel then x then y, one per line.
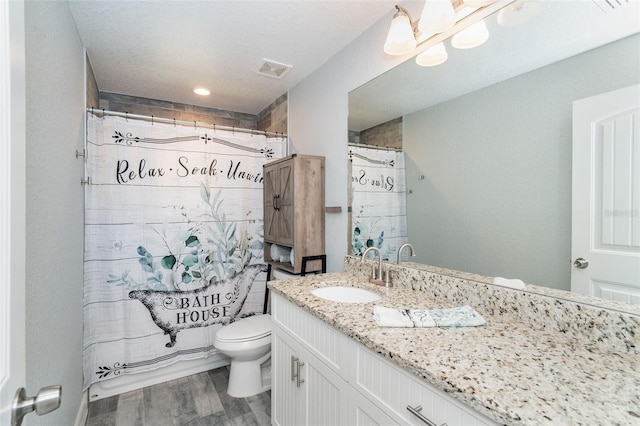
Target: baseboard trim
pixel 83 410
pixel 128 382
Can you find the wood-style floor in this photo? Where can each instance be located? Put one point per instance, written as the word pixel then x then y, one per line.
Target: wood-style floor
pixel 195 400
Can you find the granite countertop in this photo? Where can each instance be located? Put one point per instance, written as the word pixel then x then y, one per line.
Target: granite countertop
pixel 506 370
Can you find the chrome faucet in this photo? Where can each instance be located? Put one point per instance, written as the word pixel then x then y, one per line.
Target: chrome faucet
pixel 376 275
pixel 402 247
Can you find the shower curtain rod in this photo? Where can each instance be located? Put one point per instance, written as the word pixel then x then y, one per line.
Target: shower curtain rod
pixel 153 119
pixel 383 148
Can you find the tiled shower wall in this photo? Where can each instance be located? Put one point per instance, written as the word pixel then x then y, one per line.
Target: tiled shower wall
pixel 388 134
pixel 274 117
pixel 179 111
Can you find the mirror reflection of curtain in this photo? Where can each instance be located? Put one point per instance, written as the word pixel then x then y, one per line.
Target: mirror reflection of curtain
pixel 378 200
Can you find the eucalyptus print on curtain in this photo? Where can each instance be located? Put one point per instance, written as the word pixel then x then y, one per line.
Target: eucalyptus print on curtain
pixel 173 241
pixel 378 200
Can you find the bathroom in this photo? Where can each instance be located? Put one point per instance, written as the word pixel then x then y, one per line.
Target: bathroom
pixel 54 196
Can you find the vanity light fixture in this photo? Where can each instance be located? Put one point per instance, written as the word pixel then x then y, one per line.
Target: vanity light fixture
pixel 201 91
pixel 468 29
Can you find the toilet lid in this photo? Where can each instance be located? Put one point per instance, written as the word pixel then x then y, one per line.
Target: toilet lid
pixel 249 328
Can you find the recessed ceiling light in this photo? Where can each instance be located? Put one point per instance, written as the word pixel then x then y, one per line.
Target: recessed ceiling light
pixel 201 91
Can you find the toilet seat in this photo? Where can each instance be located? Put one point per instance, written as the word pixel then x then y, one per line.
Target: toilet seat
pixel 246 329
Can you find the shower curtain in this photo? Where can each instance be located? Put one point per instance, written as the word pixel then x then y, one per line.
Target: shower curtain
pixel 173 241
pixel 378 200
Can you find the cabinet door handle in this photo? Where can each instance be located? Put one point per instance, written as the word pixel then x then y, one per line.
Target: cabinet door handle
pixel 417 412
pixel 294 370
pixel 299 380
pixel 276 198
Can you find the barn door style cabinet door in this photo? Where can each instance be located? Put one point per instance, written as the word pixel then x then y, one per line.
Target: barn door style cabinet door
pixel 294 210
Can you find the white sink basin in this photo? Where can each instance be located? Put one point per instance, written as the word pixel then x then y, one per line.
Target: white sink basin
pixel 345 294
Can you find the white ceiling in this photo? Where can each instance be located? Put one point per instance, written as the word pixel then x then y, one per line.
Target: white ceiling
pixel 164 49
pixel 562 29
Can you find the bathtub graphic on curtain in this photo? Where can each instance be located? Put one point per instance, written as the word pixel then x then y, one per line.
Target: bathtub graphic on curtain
pixel 173 241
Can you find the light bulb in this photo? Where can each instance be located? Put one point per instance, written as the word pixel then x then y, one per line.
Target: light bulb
pixel 433 56
pixel 400 39
pixel 437 16
pixel 471 36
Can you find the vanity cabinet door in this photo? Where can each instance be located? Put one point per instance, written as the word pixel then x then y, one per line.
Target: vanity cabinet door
pixel 327 395
pixel 286 398
pixel 366 413
pixel 304 390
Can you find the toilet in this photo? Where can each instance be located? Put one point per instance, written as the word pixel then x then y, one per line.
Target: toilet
pixel 248 343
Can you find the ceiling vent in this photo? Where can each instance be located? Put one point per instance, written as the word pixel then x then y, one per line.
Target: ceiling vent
pixel 609 5
pixel 272 69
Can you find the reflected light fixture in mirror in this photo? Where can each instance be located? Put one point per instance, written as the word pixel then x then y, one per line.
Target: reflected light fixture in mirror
pixel 471 37
pixel 433 56
pixel 400 39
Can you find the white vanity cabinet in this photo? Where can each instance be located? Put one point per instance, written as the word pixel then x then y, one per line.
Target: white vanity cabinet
pixel 396 390
pixel 307 356
pixel 341 382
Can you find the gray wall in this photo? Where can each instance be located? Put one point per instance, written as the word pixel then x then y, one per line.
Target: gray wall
pixel 318 111
pixel 496 197
pixel 54 218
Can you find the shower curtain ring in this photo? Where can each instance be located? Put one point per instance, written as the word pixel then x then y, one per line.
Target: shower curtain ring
pixel 126 116
pixel 152 120
pixel 174 122
pixel 194 125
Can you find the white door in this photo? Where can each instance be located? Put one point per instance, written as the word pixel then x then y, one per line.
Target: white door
pixel 12 209
pixel 606 196
pixel 12 225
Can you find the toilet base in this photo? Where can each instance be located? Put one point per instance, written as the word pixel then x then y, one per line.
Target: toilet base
pixel 246 378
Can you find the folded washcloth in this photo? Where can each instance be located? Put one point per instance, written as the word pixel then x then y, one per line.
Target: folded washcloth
pixel 511 283
pixel 464 316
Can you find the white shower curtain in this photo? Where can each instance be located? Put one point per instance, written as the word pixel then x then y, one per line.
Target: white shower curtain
pixel 173 241
pixel 378 200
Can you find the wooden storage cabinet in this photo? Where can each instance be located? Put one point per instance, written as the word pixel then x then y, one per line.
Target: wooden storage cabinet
pixel 294 204
pixel 345 383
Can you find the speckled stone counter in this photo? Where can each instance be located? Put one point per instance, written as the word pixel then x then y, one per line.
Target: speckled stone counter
pixel 511 370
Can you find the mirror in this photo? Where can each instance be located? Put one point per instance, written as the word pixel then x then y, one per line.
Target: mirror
pixel 377 202
pixel 487 138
